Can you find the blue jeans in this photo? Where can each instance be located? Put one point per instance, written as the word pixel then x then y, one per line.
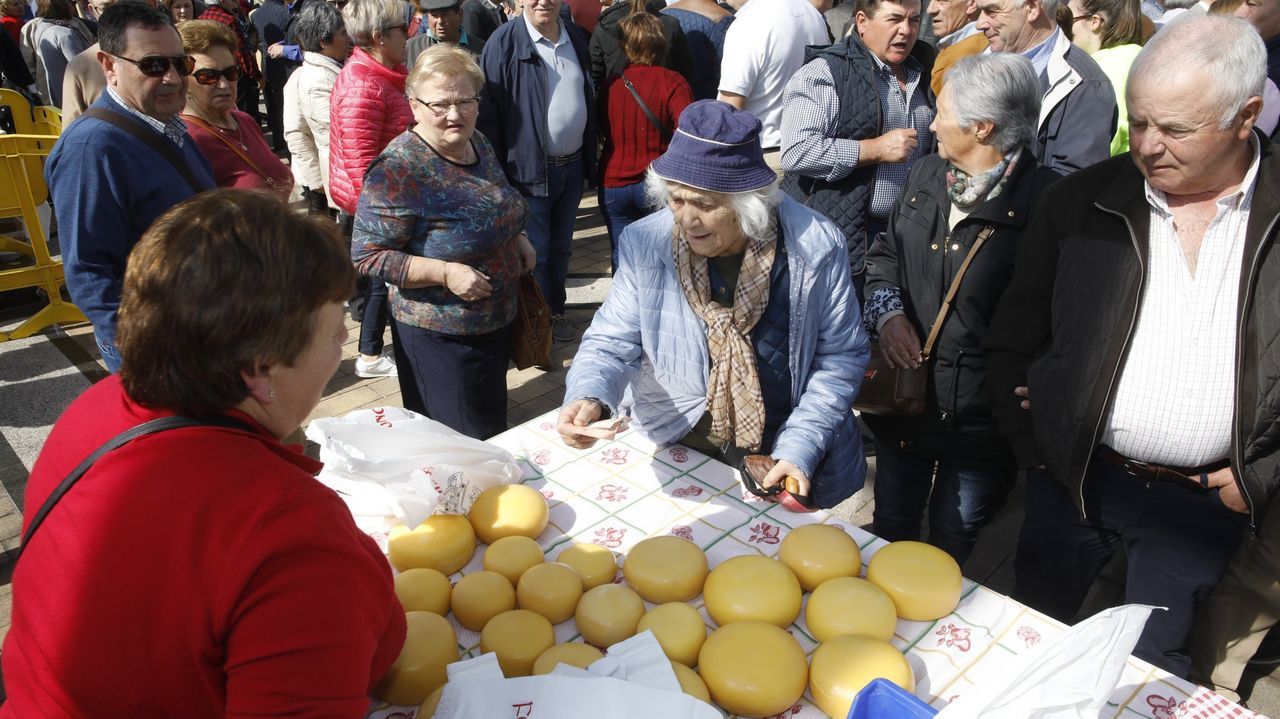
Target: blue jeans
pixel 550 229
pixel 961 500
pixel 110 355
pixel 621 206
pixel 374 320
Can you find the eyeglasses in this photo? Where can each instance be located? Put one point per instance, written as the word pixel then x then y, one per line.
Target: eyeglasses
pixel 158 65
pixel 1078 18
pixel 209 76
pixel 389 28
pixel 440 108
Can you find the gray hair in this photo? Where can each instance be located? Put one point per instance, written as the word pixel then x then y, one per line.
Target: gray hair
pixel 1050 8
pixel 317 23
pixel 753 208
pixel 365 17
pixel 443 60
pixel 1227 49
pixel 1001 88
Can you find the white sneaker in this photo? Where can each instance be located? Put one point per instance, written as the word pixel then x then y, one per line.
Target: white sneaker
pixel 382 367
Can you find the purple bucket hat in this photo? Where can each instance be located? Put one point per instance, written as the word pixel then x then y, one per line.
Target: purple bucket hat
pixel 716 148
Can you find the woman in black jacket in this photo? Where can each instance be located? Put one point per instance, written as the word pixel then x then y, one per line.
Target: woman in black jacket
pixel 984 175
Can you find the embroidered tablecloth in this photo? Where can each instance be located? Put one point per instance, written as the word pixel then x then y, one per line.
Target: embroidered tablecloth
pixel 620 492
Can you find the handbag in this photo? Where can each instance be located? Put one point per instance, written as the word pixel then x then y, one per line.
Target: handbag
pixel 891 391
pixel 531 335
pixel 151 139
pixel 663 132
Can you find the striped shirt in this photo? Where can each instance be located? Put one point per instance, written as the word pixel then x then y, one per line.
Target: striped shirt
pixel 173 128
pixel 1175 397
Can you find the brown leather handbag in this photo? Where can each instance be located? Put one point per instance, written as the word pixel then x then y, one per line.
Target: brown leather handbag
pixel 531 335
pixel 890 391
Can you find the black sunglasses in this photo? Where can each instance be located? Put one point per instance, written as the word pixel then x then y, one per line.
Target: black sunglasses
pixel 158 65
pixel 209 76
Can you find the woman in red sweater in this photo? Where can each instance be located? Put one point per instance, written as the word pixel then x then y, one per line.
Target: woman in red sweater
pixel 631 138
pixel 203 571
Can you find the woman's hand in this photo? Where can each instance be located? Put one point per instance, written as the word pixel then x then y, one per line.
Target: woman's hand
pixel 528 256
pixel 466 282
pixel 899 343
pixel 578 414
pixel 780 472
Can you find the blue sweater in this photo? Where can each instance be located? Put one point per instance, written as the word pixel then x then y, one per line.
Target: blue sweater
pixel 107 188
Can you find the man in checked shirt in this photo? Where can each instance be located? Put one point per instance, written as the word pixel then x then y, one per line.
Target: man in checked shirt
pixel 1133 361
pixel 855 118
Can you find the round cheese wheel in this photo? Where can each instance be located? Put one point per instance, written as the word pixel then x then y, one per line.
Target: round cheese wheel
pixel 842 666
pixel 481 596
pixel 552 590
pixel 608 614
pixel 754 669
pixel 423 590
pixel 511 556
pixel 850 605
pixel 574 654
pixel 509 510
pixel 666 569
pixel 518 637
pixel 444 542
pixel 690 682
pixel 595 564
pixel 752 587
pixel 923 581
pixel 428 708
pixel 429 646
pixel 679 630
pixel 818 552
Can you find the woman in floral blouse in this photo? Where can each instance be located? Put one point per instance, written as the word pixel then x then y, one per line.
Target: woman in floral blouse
pixel 437 220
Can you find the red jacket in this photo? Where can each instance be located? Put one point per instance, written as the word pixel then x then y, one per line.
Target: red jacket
pixel 631 141
pixel 366 111
pixel 199 572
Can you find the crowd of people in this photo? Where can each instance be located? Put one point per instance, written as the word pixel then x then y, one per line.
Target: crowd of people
pixel 1064 213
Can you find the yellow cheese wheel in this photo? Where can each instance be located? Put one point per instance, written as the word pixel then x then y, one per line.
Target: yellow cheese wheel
pixel 518 637
pixel 444 542
pixel 754 669
pixel 752 587
pixel 922 580
pixel 481 596
pixel 690 682
pixel 818 552
pixel 842 666
pixel 849 605
pixel 666 569
pixel 511 556
pixel 509 510
pixel 428 708
pixel 679 630
pixel 595 564
pixel 608 614
pixel 552 590
pixel 429 646
pixel 423 590
pixel 574 654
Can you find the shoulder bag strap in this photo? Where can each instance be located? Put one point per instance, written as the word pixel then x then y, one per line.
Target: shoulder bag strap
pixel 155 425
pixel 151 139
pixel 955 287
pixel 233 147
pixel 662 129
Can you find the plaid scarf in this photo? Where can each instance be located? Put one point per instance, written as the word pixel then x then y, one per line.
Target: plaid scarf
pixel 733 390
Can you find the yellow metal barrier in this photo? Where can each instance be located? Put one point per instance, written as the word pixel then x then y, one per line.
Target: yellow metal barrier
pixel 21 177
pixel 28 120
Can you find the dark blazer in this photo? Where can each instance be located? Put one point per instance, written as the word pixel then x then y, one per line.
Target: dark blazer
pixel 480 19
pixel 607 58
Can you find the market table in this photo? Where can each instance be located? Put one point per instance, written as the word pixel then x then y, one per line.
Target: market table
pixel 622 491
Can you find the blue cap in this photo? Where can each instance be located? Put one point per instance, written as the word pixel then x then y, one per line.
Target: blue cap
pixel 716 148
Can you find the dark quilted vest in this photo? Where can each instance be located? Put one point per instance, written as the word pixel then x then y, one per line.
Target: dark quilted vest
pixel 771 340
pixel 846 201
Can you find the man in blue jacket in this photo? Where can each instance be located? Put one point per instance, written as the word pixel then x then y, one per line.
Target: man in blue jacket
pixel 124 162
pixel 538 110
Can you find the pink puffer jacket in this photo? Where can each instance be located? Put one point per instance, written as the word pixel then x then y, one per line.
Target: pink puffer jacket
pixel 367 110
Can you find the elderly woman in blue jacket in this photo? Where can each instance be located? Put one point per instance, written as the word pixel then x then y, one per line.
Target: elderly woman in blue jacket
pixel 732 325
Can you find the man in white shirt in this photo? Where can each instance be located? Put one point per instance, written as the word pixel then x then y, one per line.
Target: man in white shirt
pixel 762 50
pixel 1140 331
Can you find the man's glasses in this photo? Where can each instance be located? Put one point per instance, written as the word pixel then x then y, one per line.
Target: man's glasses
pixel 158 65
pixel 466 105
pixel 209 76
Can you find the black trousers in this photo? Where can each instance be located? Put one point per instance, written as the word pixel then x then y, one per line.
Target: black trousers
pixel 457 380
pixel 1177 540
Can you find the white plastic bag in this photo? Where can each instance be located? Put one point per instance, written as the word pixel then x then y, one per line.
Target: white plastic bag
pixel 393 466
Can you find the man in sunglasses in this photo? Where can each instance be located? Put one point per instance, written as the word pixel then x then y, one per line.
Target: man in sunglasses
pixel 126 161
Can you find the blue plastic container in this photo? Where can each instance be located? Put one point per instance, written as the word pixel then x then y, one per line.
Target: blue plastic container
pixel 882 699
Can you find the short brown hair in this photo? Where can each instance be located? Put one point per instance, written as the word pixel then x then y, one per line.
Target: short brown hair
pixel 643 41
pixel 55 9
pixel 229 280
pixel 199 36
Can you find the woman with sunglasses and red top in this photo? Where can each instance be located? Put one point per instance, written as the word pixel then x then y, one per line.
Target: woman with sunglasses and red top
pixel 233 142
